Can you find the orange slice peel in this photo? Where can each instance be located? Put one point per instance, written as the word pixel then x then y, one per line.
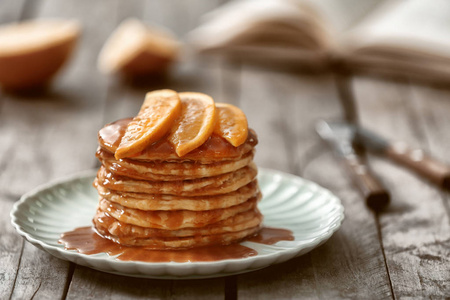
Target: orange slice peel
pixel 155 119
pixel 195 124
pixel 231 124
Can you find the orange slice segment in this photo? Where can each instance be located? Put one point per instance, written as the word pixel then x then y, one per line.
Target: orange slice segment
pixel 155 118
pixel 196 123
pixel 231 124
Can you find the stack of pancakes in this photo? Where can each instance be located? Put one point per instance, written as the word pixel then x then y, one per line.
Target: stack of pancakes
pixel 159 200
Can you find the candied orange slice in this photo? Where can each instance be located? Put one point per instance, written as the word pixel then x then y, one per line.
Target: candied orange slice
pixel 196 123
pixel 231 124
pixel 157 115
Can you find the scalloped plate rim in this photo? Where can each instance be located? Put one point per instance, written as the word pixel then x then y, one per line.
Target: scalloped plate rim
pixel 73 256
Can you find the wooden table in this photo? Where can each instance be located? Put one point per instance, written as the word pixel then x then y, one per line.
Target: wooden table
pixel 401 253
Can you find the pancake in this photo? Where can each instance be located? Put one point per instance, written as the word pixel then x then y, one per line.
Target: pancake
pixel 152 197
pixel 145 201
pixel 169 171
pixel 173 220
pixel 213 150
pixel 245 220
pixel 180 243
pixel 215 185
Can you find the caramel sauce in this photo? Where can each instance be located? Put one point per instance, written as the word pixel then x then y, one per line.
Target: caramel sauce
pixel 86 241
pixel 270 236
pixel 215 147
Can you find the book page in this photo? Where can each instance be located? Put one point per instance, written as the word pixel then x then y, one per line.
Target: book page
pixel 341 15
pixel 412 27
pixel 281 31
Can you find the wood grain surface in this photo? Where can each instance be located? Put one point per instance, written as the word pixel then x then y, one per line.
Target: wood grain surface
pixel 400 253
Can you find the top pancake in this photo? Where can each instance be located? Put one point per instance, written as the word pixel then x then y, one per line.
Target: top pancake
pixel 214 149
pixel 169 171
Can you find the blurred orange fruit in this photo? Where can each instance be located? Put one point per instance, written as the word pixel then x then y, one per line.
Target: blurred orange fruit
pixel 137 49
pixel 32 52
pixel 196 123
pixel 157 115
pixel 231 124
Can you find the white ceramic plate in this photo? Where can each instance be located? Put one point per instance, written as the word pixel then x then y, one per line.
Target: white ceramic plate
pixel 311 212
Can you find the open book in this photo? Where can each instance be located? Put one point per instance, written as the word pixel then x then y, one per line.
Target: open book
pixel 396 37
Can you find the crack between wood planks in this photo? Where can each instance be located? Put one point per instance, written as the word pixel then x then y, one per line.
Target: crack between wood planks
pixel 230 288
pixel 68 281
pixel 35 292
pixel 380 238
pixel 18 268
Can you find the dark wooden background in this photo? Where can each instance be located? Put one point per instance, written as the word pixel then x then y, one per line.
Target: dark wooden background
pixel 402 253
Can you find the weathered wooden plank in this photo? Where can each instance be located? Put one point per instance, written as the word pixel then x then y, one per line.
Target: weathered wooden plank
pixel 198 289
pixel 49 136
pixel 98 285
pixel 351 264
pixel 11 244
pixel 264 106
pixel 284 108
pixel 89 284
pixel 415 229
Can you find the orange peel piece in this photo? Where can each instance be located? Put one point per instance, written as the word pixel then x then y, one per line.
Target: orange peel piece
pixel 196 123
pixel 155 119
pixel 231 124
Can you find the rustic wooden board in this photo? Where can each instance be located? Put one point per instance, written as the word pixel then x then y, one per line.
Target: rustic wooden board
pixel 88 284
pixel 415 229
